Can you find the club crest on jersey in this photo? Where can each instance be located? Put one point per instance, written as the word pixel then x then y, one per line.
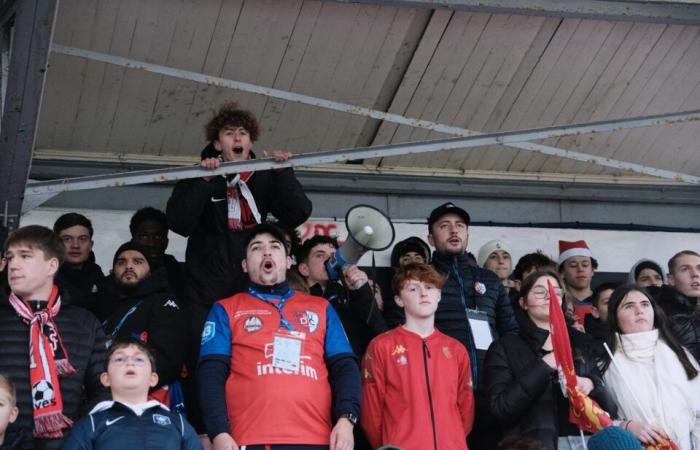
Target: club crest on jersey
pixel 308 319
pixel 159 419
pixel 480 287
pixel 252 324
pixel 208 332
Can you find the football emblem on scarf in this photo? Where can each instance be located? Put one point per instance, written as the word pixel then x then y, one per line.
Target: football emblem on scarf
pixel 42 394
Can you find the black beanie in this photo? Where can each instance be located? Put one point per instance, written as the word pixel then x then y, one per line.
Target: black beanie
pixel 647 265
pixel 411 244
pixel 144 250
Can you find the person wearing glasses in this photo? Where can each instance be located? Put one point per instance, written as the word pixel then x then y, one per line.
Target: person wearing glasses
pixel 521 376
pixel 130 420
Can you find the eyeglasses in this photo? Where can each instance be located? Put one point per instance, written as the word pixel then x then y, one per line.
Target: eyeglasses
pixel 139 361
pixel 541 293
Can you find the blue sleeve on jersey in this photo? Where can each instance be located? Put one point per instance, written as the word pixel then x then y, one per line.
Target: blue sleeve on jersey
pixel 216 334
pixel 336 340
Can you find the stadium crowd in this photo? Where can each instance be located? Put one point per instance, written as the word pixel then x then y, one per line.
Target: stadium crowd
pixel 252 343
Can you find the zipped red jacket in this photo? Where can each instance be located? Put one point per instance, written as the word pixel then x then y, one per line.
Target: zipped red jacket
pixel 417 392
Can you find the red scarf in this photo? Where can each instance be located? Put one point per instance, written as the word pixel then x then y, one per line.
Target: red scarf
pixel 242 211
pixel 48 360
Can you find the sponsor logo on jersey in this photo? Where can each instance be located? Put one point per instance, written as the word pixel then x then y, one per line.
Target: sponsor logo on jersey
pixel 252 324
pixel 307 319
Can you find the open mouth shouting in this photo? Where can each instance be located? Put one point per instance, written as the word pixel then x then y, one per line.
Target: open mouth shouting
pixel 268 265
pixel 238 150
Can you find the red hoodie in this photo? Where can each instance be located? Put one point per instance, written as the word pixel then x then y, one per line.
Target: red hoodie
pixel 417 393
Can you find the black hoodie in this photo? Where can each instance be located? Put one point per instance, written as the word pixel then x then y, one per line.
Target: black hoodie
pixel 151 313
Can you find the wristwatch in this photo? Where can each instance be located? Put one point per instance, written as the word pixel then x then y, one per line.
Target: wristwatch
pixel 352 418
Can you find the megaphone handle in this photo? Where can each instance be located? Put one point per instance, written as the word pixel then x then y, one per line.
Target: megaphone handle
pixel 359 283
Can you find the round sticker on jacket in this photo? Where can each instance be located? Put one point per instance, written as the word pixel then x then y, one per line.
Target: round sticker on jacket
pixel 480 287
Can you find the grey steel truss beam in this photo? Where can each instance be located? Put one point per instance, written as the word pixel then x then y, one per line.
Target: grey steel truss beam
pixel 367 112
pixel 660 11
pixel 34 23
pixel 43 190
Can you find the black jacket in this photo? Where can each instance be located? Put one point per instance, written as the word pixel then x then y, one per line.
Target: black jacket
pixel 523 391
pixel 683 317
pixel 85 344
pixel 119 428
pixel 198 209
pixel 153 314
pixel 85 286
pixel 16 441
pixel 358 312
pixel 460 293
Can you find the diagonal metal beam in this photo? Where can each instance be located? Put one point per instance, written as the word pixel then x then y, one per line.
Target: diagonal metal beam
pixel 361 111
pixel 48 188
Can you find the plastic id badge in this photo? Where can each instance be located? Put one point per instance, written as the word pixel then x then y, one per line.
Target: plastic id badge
pixel 286 353
pixel 479 323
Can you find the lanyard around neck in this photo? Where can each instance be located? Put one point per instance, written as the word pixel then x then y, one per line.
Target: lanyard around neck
pixel 277 301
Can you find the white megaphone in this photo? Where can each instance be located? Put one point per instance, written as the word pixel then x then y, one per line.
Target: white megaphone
pixel 368 229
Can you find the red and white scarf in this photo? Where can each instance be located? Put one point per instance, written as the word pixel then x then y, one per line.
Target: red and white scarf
pixel 48 360
pixel 240 209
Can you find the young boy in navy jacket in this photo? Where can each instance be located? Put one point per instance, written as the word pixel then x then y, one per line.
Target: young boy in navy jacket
pixel 130 420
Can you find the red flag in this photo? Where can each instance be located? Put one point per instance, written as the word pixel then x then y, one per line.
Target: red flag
pixel 584 412
pixel 665 445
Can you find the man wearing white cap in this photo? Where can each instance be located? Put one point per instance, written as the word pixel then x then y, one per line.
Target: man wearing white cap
pixel 576 267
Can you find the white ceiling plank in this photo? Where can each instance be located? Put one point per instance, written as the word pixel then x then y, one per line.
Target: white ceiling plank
pixel 584 46
pixel 208 98
pixel 414 74
pixel 153 34
pixel 650 76
pixel 483 79
pixel 188 49
pixel 664 92
pixel 536 46
pixel 645 38
pixel 446 65
pixel 62 97
pixel 599 69
pixel 89 105
pixel 521 114
pixel 271 119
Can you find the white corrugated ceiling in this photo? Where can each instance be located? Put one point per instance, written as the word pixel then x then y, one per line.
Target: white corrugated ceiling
pixel 481 71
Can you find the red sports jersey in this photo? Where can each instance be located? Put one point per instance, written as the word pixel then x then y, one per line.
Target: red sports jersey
pixel 266 404
pixel 404 377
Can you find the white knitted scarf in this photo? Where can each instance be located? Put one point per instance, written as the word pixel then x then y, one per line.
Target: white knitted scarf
pixel 645 367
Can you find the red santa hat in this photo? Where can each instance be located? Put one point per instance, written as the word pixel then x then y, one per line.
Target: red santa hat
pixel 567 249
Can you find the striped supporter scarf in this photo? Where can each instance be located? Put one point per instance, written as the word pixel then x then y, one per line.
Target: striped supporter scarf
pixel 48 360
